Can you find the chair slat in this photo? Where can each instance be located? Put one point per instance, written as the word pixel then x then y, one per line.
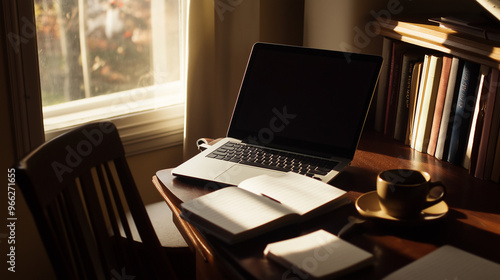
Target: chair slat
pixel 62 246
pixel 84 241
pixel 115 208
pixel 116 198
pixel 97 222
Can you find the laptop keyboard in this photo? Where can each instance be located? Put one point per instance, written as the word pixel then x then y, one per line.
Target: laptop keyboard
pixel 268 158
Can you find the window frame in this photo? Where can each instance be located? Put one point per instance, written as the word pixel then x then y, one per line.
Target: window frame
pixel 151 128
pixel 23 76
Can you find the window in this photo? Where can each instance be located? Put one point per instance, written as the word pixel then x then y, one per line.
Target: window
pixel 113 59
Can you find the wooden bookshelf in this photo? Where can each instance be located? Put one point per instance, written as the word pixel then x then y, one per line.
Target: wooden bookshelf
pixel 432 39
pixel 444 40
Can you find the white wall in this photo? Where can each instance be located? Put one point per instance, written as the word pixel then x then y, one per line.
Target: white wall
pixel 348 25
pixel 144 167
pixel 341 24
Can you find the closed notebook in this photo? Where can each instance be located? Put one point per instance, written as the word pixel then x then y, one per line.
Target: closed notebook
pixel 319 254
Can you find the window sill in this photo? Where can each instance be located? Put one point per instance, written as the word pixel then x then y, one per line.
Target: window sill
pixel 143 124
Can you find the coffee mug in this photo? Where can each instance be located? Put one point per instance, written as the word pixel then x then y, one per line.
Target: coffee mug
pixel 404 193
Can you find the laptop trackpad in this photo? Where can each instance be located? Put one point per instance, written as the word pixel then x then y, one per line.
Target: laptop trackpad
pixel 237 173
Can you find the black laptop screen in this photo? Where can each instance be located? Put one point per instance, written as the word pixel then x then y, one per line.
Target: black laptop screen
pixel 308 100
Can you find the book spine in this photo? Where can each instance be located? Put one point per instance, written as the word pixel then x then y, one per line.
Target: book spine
pixel 470 156
pixel 438 111
pixel 393 90
pixel 416 75
pixel 488 116
pixel 463 112
pixel 404 97
pixel 450 101
pixel 495 170
pixel 494 131
pixel 428 103
pixel 418 106
pixel 382 85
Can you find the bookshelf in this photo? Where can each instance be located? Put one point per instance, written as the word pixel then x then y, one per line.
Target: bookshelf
pixel 419 98
pixel 427 35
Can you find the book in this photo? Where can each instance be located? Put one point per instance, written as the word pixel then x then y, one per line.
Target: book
pixel 382 85
pixel 475 25
pixel 495 169
pixel 403 104
pixel 487 126
pixel 428 103
pixel 440 99
pixel 261 204
pixel 494 132
pixel 415 81
pixel 318 255
pixel 393 87
pixel 492 6
pixel 450 102
pixel 448 262
pixel 418 105
pixel 476 121
pixel 463 111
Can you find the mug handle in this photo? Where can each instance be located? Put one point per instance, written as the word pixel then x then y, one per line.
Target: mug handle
pixel 432 201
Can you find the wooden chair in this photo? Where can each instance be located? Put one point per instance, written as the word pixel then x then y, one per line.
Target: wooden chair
pixel 80 191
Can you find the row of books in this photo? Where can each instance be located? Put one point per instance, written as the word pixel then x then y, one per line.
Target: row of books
pixel 442 105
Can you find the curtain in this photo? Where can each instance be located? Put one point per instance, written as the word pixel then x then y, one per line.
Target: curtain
pixel 220 35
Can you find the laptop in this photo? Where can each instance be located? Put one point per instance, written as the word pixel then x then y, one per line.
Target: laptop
pixel 298 110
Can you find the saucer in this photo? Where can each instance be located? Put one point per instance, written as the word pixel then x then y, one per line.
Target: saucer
pixel 368 206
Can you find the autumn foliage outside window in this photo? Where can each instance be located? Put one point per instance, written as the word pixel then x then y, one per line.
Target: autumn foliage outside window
pixel 90 48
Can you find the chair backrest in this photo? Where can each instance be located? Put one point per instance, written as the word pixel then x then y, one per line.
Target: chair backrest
pixel 79 188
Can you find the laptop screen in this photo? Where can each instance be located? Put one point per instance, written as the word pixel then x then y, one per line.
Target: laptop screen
pixel 305 100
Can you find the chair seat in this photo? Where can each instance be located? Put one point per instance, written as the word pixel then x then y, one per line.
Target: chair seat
pixel 170 238
pixel 161 218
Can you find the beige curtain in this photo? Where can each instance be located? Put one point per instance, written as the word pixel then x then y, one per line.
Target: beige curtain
pixel 220 37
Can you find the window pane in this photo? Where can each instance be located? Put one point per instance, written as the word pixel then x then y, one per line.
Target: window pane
pixel 89 48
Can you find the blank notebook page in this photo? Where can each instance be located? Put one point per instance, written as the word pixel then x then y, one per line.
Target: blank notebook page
pixel 298 192
pixel 236 210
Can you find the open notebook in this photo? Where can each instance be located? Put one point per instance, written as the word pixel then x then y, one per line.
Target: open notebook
pixel 261 204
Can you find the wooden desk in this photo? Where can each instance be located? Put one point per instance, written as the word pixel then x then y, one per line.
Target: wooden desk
pixel 472 224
